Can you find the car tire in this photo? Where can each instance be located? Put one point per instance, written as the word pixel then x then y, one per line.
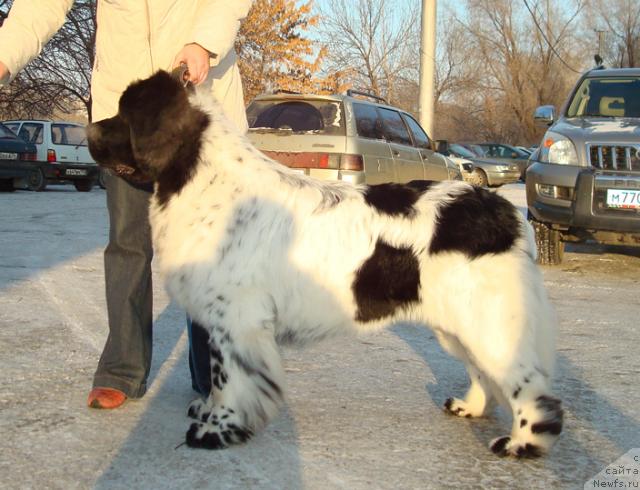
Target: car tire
pixel 36 180
pixel 84 185
pixel 100 180
pixel 6 185
pixel 549 244
pixel 479 178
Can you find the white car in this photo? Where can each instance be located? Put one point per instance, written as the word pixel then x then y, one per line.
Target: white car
pixel 62 153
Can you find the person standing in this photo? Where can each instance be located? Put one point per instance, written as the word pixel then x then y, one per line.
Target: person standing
pixel 134 39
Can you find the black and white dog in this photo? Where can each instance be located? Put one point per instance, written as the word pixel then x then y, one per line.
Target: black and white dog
pixel 262 256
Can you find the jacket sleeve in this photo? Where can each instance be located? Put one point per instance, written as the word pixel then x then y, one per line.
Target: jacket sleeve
pixel 218 24
pixel 31 23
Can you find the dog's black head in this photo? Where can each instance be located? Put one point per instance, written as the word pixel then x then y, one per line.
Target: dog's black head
pixel 154 137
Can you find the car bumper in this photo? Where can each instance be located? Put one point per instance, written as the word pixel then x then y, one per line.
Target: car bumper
pixel 503 177
pixel 70 171
pixel 575 197
pixel 15 169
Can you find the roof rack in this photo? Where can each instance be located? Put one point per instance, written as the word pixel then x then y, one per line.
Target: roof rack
pixel 352 92
pixel 285 91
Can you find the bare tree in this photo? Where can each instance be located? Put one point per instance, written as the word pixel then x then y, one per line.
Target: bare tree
pixel 373 43
pixel 620 19
pixel 525 54
pixel 58 80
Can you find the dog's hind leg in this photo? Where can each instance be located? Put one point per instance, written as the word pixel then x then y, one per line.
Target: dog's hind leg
pixel 478 400
pixel 247 381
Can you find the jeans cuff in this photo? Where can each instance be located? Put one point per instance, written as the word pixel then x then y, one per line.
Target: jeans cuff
pixel 132 390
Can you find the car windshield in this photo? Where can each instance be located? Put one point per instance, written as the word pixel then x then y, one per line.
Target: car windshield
pixel 296 116
pixel 461 151
pixel 606 97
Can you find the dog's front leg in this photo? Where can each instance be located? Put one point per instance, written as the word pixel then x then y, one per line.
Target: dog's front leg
pixel 247 380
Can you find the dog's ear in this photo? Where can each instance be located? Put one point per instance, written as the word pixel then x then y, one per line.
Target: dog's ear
pixel 158 114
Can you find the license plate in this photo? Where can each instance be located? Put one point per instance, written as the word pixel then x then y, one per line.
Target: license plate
pixel 8 156
pixel 76 171
pixel 625 199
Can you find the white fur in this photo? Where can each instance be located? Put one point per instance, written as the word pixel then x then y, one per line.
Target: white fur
pixel 254 250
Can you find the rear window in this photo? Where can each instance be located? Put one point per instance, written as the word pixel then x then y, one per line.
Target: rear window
pixel 296 116
pixel 6 133
pixel 68 134
pixel 606 97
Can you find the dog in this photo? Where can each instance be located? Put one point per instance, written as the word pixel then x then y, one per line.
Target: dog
pixel 262 256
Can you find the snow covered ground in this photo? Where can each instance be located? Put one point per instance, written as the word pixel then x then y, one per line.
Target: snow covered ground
pixel 362 413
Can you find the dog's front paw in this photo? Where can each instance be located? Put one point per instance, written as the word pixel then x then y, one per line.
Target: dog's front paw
pixel 460 408
pixel 205 436
pixel 505 446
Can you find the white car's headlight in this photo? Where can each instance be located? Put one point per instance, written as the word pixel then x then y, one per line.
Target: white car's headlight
pixel 558 149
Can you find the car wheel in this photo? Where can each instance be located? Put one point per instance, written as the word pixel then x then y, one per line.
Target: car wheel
pixel 36 181
pixel 548 242
pixel 479 178
pixel 6 185
pixel 83 185
pixel 101 179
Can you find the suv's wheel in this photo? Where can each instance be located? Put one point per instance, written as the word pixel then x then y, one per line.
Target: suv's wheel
pixel 84 185
pixel 479 178
pixel 550 247
pixel 36 180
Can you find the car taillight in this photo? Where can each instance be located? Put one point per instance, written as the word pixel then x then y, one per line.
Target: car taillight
pixel 305 159
pixel 51 156
pixel 31 157
pixel 351 162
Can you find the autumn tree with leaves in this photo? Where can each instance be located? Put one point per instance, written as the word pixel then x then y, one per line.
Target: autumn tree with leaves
pixel 275 53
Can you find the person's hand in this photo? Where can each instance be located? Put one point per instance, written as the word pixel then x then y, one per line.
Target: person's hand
pixel 4 73
pixel 197 60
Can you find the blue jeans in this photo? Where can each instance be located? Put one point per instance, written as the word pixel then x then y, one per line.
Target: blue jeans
pixel 199 363
pixel 126 357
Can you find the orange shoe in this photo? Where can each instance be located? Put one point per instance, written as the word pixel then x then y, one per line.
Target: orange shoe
pixel 106 398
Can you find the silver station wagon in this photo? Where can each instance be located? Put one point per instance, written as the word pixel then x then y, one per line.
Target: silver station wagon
pixel 354 137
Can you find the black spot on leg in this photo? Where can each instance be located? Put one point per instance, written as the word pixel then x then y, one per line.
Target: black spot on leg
pixel 516 392
pixel 499 446
pixel 553 427
pixel 523 422
pixel 386 281
pixel 476 222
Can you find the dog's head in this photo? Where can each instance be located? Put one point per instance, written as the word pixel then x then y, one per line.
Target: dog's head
pixel 154 127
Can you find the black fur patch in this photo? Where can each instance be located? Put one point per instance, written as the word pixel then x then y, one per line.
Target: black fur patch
pixel 396 199
pixel 477 222
pixel 499 446
pixel 388 280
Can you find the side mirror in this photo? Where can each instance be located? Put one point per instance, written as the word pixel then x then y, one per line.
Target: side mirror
pixel 442 146
pixel 544 115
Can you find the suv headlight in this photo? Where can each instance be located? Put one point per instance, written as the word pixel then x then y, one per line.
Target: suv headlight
pixel 558 149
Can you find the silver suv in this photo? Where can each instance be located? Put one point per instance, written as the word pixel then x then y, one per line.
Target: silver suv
pixel 584 184
pixel 346 137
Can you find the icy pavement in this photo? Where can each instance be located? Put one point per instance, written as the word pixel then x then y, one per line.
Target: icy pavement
pixel 362 413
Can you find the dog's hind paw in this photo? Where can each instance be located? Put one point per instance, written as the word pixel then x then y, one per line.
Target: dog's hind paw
pixel 505 446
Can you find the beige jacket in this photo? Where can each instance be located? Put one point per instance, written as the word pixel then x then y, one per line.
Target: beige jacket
pixel 134 39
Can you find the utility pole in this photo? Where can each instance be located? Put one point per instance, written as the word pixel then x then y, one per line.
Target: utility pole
pixel 427 64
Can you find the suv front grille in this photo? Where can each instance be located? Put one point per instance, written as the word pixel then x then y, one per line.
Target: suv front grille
pixel 614 157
